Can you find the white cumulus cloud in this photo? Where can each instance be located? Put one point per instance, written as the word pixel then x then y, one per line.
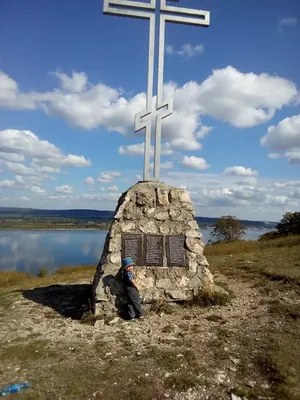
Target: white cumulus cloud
pixel 64 189
pixel 89 181
pixel 113 188
pixel 274 156
pixel 7 183
pixel 195 163
pixel 241 99
pixel 108 176
pixel 37 190
pixel 240 171
pixel 187 50
pixel 139 148
pixel 284 138
pixel 28 145
pixel 12 156
pixel 23 153
pixel 76 83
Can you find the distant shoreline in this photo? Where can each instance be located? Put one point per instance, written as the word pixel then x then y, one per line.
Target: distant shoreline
pixel 105 228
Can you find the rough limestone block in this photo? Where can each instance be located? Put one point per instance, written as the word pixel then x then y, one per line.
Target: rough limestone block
pixel 177 228
pixel 207 280
pixel 192 262
pixel 184 216
pixel 184 197
pixel 174 194
pixel 151 296
pixel 193 225
pixel 202 261
pixel 149 227
pixel 115 258
pixel 149 212
pixel 119 213
pixel 194 245
pixel 127 227
pixel 145 198
pixel 100 292
pixel 162 197
pixel 161 216
pixel 131 212
pixel 115 244
pixel 179 295
pixel 164 284
pixel 145 283
pixel 195 283
pixel 164 229
pixel 193 234
pixel 174 212
pixel 183 282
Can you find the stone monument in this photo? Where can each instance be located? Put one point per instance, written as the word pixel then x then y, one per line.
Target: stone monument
pixel 154 223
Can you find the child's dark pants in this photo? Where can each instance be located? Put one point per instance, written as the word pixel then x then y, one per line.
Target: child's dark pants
pixel 134 303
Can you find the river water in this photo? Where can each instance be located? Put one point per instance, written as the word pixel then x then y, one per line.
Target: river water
pixel 29 251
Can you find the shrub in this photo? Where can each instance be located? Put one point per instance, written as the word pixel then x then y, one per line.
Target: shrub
pixel 290 224
pixel 227 229
pixel 208 298
pixel 161 306
pixel 269 236
pixel 42 273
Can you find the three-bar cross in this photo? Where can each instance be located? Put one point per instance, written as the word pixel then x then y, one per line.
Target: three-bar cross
pixel 137 9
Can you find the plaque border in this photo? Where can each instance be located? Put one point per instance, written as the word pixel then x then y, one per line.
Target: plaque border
pixel 170 265
pixel 141 252
pixel 145 250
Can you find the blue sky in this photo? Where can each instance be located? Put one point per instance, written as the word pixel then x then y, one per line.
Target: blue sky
pixel 72 79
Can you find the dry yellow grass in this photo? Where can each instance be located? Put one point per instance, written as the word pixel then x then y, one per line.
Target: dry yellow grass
pixel 21 280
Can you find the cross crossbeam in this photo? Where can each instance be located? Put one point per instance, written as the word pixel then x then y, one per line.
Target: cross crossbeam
pixel 138 9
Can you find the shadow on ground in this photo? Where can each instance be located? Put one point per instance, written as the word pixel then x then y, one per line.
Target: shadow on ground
pixel 71 301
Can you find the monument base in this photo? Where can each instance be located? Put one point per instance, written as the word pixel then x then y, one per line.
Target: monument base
pixel 155 224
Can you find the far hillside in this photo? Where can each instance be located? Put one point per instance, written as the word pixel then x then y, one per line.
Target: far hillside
pixel 105 215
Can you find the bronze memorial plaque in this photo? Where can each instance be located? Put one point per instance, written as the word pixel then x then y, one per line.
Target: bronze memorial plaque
pixel 132 247
pixel 175 251
pixel 153 250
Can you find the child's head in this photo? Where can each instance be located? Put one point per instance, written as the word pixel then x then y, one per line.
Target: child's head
pixel 127 263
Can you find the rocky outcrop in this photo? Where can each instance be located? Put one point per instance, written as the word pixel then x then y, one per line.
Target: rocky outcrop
pixel 158 209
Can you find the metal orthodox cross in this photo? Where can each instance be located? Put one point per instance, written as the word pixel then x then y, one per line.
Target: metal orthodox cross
pixel 138 9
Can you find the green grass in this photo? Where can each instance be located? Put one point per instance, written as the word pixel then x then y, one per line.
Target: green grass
pixel 276 263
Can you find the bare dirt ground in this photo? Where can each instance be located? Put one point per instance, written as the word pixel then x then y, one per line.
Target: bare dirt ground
pixel 192 353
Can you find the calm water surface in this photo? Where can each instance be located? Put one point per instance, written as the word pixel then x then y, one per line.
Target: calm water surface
pixel 29 251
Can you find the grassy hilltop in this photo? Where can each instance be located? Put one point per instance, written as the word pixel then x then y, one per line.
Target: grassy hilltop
pixel 249 347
